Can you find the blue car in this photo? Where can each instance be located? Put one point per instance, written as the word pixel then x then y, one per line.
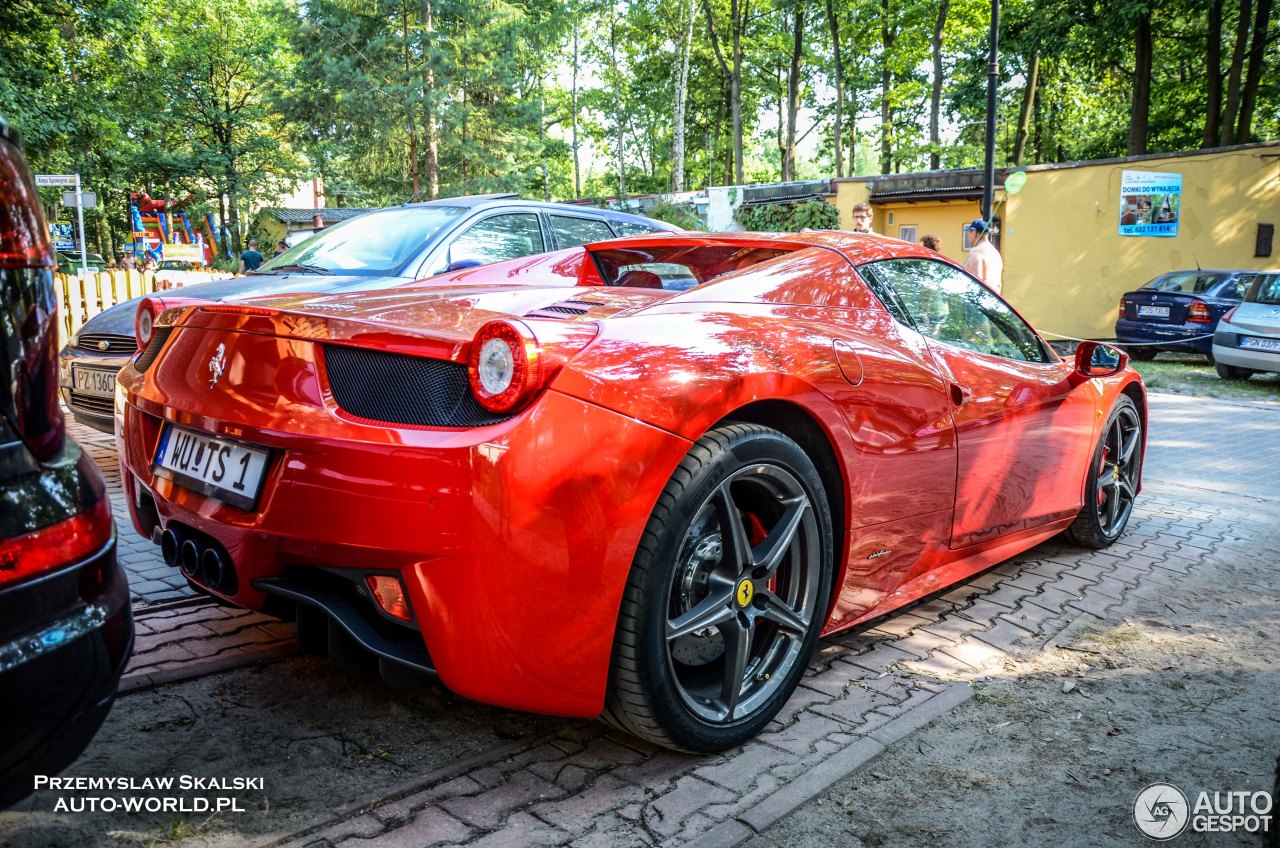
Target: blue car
pixel 382 249
pixel 1178 311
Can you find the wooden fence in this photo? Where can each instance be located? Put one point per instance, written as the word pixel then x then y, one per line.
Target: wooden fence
pixel 81 298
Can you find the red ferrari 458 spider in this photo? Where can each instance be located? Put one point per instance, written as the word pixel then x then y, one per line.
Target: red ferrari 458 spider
pixel 635 480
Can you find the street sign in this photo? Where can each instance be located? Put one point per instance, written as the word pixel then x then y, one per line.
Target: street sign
pixel 57 179
pixel 87 198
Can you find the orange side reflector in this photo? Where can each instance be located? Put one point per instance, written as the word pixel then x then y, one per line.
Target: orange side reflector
pixel 388 591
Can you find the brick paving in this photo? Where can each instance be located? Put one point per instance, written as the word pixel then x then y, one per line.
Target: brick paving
pixel 863 692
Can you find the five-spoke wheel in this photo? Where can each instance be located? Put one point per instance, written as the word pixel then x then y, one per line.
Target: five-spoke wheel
pixel 1113 478
pixel 727 595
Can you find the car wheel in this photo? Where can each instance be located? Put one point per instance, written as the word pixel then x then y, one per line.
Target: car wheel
pixel 1231 372
pixel 726 596
pixel 1209 356
pixel 1142 354
pixel 1113 479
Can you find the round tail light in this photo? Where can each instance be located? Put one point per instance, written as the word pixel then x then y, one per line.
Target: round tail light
pixel 505 366
pixel 144 322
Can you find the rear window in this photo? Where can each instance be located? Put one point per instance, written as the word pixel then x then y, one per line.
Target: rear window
pixel 1192 283
pixel 677 267
pixel 630 228
pixel 1268 290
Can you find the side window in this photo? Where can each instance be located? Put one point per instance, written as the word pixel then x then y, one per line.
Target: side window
pixel 948 305
pixel 627 228
pixel 498 238
pixel 572 232
pixel 1238 287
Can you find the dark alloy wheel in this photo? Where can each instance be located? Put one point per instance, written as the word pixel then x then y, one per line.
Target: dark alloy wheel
pixel 727 594
pixel 1113 479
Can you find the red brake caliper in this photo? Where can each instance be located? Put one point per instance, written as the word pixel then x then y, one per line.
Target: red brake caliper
pixel 1106 450
pixel 755 535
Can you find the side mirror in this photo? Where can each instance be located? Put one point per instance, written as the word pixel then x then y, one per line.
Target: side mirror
pixel 459 264
pixel 1095 359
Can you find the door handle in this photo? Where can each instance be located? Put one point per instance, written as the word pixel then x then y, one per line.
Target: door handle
pixel 960 395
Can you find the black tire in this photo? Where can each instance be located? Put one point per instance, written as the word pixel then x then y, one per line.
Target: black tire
pixel 1231 372
pixel 1113 475
pixel 1142 354
pixel 1210 357
pixel 759 592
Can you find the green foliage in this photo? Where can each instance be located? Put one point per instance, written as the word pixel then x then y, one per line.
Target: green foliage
pixel 788 217
pixel 672 213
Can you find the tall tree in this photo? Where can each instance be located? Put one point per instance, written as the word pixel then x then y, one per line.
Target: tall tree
pixel 935 101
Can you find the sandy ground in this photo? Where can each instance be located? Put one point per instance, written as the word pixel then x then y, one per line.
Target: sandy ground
pixel 1184 688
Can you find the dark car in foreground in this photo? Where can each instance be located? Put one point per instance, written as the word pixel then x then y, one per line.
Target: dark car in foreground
pixel 382 249
pixel 1178 311
pixel 65 624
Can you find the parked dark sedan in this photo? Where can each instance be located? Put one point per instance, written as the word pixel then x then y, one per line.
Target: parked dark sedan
pixel 379 250
pixel 1178 311
pixel 65 624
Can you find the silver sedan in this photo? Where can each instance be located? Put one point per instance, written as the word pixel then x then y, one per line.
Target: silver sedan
pixel 1247 339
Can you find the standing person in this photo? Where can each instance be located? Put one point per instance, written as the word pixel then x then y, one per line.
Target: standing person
pixel 281 247
pixel 862 219
pixel 251 258
pixel 931 242
pixel 984 260
pixel 128 262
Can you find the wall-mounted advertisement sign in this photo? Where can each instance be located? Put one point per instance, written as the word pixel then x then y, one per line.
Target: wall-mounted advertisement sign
pixel 1149 203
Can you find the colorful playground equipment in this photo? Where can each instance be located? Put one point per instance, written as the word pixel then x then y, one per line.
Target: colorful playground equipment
pixel 160 222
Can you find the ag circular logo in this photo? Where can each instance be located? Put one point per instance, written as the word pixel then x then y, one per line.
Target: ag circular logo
pixel 1161 811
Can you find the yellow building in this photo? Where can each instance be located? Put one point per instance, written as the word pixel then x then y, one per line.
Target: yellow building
pixel 1065 262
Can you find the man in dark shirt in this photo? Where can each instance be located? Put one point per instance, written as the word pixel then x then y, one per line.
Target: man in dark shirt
pixel 251 258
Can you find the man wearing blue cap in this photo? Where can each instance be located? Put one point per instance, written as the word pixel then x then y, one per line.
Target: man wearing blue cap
pixel 984 260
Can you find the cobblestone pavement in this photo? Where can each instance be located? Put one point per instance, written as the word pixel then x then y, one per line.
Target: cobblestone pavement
pixel 864 690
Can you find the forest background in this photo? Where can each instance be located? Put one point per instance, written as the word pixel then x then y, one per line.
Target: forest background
pixel 233 102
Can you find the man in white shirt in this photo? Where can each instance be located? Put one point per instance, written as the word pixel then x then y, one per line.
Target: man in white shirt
pixel 862 219
pixel 984 260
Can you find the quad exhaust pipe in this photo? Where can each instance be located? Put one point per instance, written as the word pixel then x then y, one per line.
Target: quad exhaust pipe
pixel 202 560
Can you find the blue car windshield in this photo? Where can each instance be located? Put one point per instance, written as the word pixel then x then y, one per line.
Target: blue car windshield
pixel 376 243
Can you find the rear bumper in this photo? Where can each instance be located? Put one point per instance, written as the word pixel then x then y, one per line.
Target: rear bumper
pixel 513 540
pixel 1256 360
pixel 1166 336
pixel 70 634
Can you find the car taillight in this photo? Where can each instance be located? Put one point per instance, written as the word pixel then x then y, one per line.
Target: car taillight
pixel 1121 308
pixel 24 237
pixel 1200 313
pixel 1230 312
pixel 57 545
pixel 149 310
pixel 505 365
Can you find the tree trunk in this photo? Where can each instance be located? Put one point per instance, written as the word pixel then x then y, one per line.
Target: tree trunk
pixel 1257 55
pixel 793 96
pixel 1213 76
pixel 1141 86
pixel 1232 107
pixel 431 140
pixel 1028 104
pixel 935 103
pixel 412 118
pixel 620 113
pixel 886 81
pixel 735 87
pixel 577 166
pixel 682 93
pixel 833 23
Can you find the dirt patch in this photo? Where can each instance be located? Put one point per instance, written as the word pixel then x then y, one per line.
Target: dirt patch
pixel 316 738
pixel 1053 749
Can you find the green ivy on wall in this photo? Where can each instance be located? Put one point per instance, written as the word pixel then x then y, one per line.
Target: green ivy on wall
pixel 788 217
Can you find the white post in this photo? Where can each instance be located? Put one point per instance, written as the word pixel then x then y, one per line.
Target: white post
pixel 84 258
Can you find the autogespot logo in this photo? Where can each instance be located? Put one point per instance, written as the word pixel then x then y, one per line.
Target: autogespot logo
pixel 1161 811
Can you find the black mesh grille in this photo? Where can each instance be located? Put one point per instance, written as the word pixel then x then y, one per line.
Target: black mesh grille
pixel 157 344
pixel 115 343
pixel 403 389
pixel 567 310
pixel 93 404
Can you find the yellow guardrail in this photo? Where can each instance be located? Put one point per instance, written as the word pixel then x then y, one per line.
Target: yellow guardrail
pixel 81 298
